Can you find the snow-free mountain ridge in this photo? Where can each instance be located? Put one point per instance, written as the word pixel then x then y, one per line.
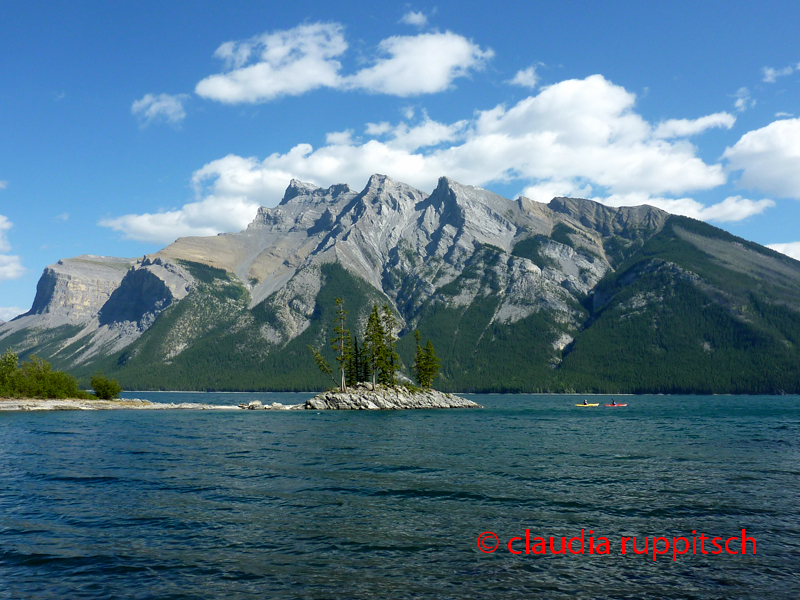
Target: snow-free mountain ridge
pixel 482 274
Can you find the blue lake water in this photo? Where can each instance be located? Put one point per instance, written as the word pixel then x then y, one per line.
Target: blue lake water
pixel 305 504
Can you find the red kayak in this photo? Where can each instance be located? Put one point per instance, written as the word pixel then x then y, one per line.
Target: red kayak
pixel 615 405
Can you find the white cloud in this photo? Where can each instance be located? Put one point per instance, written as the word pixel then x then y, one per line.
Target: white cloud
pixel 378 129
pixel 210 216
pixel 420 64
pixel 526 78
pixel 339 138
pixel 743 100
pixel 780 115
pixel 686 127
pixel 733 208
pixel 416 18
pixel 426 134
pixel 164 108
pixel 9 312
pixel 62 217
pixel 791 249
pixel 582 130
pixel 770 74
pixel 295 61
pixel 229 204
pixel 546 191
pixel 5 225
pixel 283 63
pixel 10 265
pixel 769 158
pixel 3 185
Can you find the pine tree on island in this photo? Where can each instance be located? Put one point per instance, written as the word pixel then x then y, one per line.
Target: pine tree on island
pixel 389 357
pixel 375 357
pixel 426 364
pixel 342 343
pixel 374 341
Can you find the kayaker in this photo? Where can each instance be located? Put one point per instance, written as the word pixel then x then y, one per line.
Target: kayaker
pixel 613 402
pixel 584 402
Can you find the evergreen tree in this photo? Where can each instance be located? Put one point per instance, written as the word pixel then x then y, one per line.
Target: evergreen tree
pixel 354 364
pixel 374 342
pixel 419 360
pixel 431 364
pixel 389 358
pixel 341 341
pixel 322 363
pixel 364 372
pixel 9 363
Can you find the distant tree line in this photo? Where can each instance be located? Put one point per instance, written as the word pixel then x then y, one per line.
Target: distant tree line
pixel 35 378
pixel 373 357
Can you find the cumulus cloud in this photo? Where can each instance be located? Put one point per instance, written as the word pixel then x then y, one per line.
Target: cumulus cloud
pixel 339 138
pixel 9 312
pixel 161 108
pixel 420 64
pixel 687 127
pixel 526 78
pixel 791 249
pixel 5 225
pixel 426 134
pixel 10 265
pixel 769 158
pixel 210 216
pixel 284 63
pixel 743 100
pixel 416 18
pixel 771 75
pixel 228 191
pixel 295 61
pixel 733 208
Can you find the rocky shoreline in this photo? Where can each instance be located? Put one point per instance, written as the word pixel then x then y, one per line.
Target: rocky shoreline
pixel 28 404
pixel 363 397
pixel 360 397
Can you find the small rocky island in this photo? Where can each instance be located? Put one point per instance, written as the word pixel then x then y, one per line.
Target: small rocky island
pixel 363 397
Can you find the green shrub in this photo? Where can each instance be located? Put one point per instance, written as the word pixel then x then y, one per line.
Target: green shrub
pixel 104 388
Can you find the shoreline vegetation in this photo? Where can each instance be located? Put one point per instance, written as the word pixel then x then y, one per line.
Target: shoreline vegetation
pixel 36 379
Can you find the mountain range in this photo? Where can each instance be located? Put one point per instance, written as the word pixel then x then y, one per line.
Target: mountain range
pixel 515 295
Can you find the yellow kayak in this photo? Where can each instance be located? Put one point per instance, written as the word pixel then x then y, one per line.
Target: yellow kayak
pixel 598 404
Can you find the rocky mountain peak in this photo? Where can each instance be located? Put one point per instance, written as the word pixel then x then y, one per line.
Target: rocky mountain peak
pixel 298 188
pixel 609 220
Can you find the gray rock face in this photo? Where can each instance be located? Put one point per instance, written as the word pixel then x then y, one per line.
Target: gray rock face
pixel 391 232
pixel 111 300
pixel 73 290
pixel 362 397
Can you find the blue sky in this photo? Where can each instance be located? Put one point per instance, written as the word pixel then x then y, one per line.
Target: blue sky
pixel 126 125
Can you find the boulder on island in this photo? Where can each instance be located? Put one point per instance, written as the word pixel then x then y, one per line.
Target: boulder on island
pixel 363 397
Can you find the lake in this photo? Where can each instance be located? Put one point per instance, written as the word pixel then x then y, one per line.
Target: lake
pixel 306 504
